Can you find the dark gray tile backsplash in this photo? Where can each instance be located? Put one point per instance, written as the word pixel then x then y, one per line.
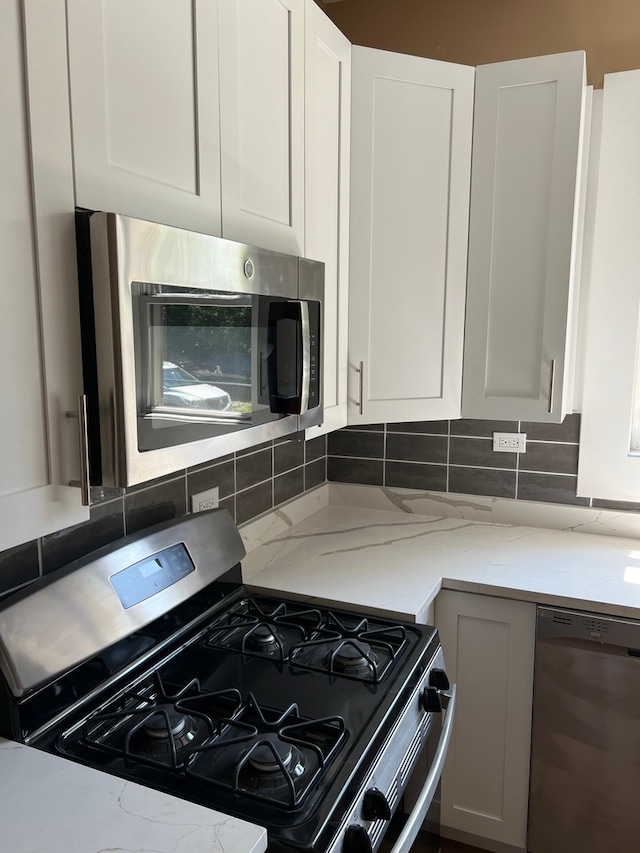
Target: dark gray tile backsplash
pixel 250 483
pixel 458 457
pixel 441 456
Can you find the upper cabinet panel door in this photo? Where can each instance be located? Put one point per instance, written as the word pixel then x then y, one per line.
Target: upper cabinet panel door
pixel 262 122
pixel 145 113
pixel 327 149
pixel 39 321
pixel 411 155
pixel 523 239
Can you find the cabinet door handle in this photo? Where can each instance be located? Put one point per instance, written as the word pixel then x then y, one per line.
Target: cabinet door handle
pixel 361 387
pixel 83 483
pixel 552 382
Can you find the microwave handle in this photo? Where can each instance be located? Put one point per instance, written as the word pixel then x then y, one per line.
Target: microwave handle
pixel 298 312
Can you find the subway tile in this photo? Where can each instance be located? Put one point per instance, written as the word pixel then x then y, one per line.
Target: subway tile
pixel 230 504
pixel 417 448
pixel 363 445
pixel 549 488
pixel 253 502
pixel 315 473
pixel 481 428
pixel 414 475
pixel 18 566
pixel 315 448
pixel 221 475
pixel 568 430
pixel 549 457
pixel 366 472
pixel 288 485
pixel 482 481
pixel 624 506
pixel 288 455
pixel 105 525
pixel 157 481
pixel 155 505
pixel 478 452
pixel 253 469
pixel 425 427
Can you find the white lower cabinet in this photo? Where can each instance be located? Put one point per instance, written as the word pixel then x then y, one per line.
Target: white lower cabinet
pixel 410 171
pixel 488 646
pixel 41 374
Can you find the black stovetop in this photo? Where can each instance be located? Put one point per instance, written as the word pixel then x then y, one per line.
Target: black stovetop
pixel 281 733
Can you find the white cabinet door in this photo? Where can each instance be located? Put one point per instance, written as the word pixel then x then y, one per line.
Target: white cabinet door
pixel 39 321
pixel 261 53
pixel 411 154
pixel 327 149
pixel 488 646
pixel 527 156
pixel 144 100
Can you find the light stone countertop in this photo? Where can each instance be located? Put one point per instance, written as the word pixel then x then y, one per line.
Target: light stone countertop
pixel 397 562
pixel 51 805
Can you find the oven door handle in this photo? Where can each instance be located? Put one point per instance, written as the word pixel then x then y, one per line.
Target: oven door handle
pixel 419 812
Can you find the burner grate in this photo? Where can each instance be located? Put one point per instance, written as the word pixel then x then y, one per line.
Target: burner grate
pixel 269 756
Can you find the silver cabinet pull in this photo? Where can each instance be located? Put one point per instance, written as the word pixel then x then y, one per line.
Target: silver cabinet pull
pixel 552 382
pixel 83 483
pixel 361 387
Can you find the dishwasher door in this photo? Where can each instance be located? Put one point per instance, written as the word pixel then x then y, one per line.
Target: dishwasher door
pixel 585 752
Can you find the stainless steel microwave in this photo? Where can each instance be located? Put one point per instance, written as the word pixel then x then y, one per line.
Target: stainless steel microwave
pixel 193 346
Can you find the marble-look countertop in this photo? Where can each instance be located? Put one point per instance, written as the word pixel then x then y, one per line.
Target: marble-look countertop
pixel 397 562
pixel 51 805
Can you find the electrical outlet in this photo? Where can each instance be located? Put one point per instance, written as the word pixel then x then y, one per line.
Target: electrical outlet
pixel 510 442
pixel 205 500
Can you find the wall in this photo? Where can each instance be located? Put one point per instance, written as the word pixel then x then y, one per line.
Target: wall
pixel 474 32
pixel 457 457
pixel 250 482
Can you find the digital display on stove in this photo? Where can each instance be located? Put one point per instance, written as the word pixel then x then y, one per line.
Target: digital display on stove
pixel 141 580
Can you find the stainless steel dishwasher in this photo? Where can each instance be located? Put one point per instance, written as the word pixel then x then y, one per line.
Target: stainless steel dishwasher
pixel 585 752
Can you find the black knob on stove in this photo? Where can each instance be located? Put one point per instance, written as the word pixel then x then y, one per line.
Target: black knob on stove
pixel 438 679
pixel 356 840
pixel 375 805
pixel 431 700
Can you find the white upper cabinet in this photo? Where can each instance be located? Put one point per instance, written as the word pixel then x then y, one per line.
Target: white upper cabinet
pixel 410 165
pixel 327 147
pixel 523 238
pixel 39 324
pixel 145 114
pixel 261 58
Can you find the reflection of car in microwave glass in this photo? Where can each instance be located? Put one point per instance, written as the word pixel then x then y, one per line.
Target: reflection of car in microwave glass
pixel 181 389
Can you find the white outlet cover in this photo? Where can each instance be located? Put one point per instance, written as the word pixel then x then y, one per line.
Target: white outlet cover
pixel 209 499
pixel 510 442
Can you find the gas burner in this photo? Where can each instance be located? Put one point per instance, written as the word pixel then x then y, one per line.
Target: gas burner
pixel 159 726
pixel 163 728
pixel 262 629
pixel 352 657
pixel 351 647
pixel 269 755
pixel 270 764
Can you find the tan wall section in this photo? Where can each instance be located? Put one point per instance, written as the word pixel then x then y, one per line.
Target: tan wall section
pixel 474 32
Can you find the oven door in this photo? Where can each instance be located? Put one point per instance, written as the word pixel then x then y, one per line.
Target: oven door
pixel 424 817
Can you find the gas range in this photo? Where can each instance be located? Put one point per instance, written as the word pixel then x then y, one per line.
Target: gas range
pixel 149 660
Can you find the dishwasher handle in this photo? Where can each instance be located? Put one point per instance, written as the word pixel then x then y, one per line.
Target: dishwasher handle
pixel 419 812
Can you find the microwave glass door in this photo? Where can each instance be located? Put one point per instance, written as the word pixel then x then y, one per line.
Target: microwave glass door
pixel 209 363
